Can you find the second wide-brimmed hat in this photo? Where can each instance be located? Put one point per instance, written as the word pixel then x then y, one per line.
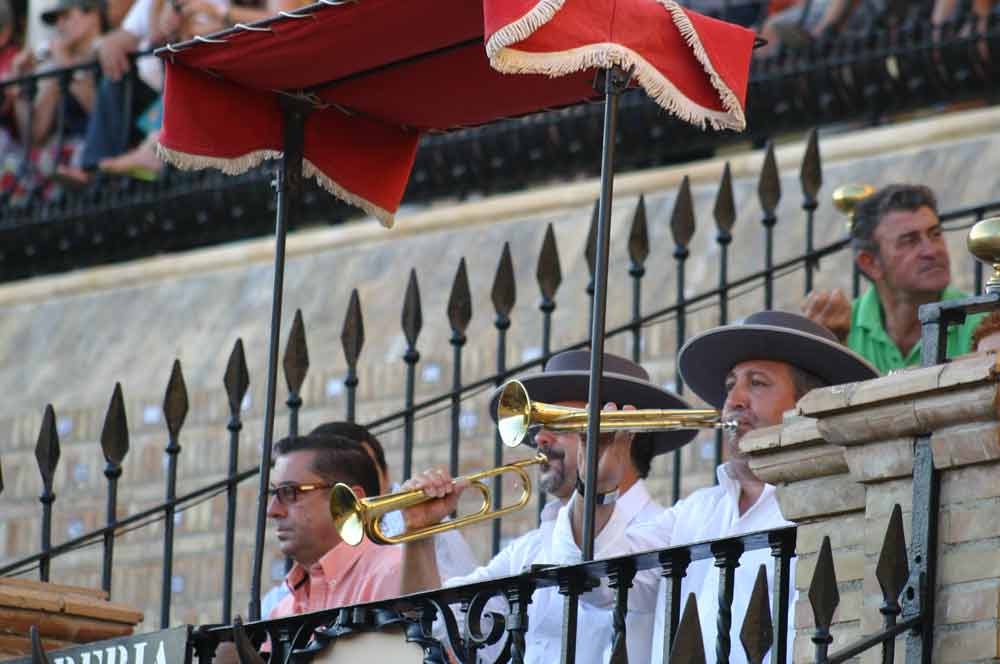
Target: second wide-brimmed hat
pixel 778 336
pixel 566 377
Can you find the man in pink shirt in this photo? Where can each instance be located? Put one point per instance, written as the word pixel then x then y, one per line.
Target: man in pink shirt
pixel 326 572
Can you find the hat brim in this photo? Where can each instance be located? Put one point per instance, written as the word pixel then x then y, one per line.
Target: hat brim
pixel 556 386
pixel 706 359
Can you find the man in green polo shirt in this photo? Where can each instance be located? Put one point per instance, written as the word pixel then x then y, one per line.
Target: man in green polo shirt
pixel 899 246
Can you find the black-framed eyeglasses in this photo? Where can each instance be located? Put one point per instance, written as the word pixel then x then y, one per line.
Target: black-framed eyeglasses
pixel 288 494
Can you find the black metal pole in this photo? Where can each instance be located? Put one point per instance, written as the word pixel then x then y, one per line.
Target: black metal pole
pixel 411 357
pixel 502 324
pixel 769 222
pixel 724 238
pixel 112 471
pixel 287 185
pixel 47 498
pixel 294 403
pixel 351 384
pixel 782 549
pixel 727 559
pixel 636 271
pixel 615 81
pixel 547 306
pixel 809 206
pixel 234 426
pixel 681 254
pixel 457 342
pixel 166 590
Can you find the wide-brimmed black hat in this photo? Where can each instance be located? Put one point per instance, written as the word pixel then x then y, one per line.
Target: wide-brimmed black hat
pixel 778 336
pixel 50 16
pixel 566 377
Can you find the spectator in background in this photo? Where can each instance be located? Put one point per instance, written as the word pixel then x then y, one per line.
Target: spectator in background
pixel 899 246
pixel 808 20
pixel 116 11
pixel 148 24
pixel 9 48
pixel 976 21
pixel 78 25
pixel 9 39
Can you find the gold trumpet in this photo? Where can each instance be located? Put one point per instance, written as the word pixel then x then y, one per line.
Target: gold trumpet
pixel 517 414
pixel 356 517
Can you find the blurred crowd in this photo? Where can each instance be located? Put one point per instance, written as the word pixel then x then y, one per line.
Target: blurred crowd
pixel 85 121
pixel 82 120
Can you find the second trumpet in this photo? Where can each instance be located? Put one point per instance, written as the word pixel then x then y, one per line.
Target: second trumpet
pixel 517 414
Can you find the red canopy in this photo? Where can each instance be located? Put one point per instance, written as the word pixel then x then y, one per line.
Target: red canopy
pixel 378 73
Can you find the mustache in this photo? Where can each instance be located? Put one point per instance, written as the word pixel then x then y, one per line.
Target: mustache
pixel 555 454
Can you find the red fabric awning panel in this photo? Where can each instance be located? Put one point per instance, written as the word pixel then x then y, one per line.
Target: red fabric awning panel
pixel 378 73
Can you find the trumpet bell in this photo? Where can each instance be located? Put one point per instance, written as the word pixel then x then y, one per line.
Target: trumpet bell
pixel 513 414
pixel 346 511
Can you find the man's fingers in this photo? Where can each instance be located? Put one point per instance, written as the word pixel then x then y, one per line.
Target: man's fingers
pixel 815 303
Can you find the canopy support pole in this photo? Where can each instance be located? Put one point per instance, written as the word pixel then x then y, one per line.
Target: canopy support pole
pixel 615 82
pixel 288 189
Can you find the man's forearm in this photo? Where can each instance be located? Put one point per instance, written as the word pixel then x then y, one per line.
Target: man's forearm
pixel 419 568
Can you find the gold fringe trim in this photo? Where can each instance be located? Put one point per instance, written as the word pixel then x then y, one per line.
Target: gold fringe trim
pixel 606 55
pixel 661 89
pixel 522 28
pixel 384 217
pixel 189 162
pixel 730 101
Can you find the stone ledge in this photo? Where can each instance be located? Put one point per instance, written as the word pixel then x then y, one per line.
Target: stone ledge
pixel 906 404
pixel 792 451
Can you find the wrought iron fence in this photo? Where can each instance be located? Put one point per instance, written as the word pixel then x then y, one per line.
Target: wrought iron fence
pixel 900 64
pixel 459 620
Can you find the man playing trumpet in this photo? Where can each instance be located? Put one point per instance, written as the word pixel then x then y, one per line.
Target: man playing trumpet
pixel 754 371
pixel 624 463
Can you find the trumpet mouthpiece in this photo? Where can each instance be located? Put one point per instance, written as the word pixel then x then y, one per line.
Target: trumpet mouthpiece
pixel 729 425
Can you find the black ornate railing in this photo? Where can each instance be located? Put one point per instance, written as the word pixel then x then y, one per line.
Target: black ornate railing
pixel 458 623
pixel 901 64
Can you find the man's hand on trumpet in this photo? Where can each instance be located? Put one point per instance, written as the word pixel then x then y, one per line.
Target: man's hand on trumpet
pixel 437 483
pixel 613 451
pixel 613 458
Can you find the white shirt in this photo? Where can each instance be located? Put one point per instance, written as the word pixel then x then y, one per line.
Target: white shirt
pixel 137 19
pixel 552 543
pixel 713 513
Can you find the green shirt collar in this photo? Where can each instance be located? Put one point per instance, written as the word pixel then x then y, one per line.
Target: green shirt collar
pixel 870 308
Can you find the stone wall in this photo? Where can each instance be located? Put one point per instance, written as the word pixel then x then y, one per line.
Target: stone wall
pixel 69 338
pixel 844 458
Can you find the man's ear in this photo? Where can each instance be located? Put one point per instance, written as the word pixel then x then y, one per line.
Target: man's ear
pixel 359 491
pixel 870 263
